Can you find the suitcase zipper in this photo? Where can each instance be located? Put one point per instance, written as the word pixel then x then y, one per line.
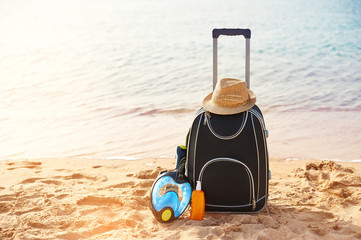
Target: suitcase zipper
pixel 254 202
pixel 265 135
pixel 207 117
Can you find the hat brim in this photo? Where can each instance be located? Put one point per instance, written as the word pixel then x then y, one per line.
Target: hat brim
pixel 210 106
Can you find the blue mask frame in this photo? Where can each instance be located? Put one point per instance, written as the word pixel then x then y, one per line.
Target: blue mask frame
pixel 170 196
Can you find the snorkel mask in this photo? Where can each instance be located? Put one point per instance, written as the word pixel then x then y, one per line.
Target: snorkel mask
pixel 170 196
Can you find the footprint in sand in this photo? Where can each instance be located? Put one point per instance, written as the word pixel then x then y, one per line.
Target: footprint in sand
pixel 4 202
pixel 139 192
pixel 61 196
pixel 7 197
pixel 338 184
pixel 4 207
pixel 123 185
pixel 145 183
pixel 79 176
pixel 146 174
pixel 55 182
pixel 30 180
pixel 94 200
pixel 31 210
pixel 43 180
pixel 24 164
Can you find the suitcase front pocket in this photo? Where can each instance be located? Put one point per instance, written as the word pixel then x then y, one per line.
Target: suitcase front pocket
pixel 227 183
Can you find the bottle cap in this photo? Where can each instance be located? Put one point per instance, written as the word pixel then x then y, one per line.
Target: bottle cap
pixel 198 187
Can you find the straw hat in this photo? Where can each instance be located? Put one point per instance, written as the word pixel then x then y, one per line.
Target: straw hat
pixel 230 96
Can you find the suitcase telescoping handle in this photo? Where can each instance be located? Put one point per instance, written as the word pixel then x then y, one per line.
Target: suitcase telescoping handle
pixel 230 32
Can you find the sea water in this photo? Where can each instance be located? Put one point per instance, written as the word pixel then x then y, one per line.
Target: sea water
pixel 124 78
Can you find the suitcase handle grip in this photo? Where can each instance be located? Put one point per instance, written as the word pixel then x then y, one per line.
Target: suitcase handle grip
pixel 231 32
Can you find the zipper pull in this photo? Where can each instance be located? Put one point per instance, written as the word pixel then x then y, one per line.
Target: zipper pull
pixel 254 204
pixel 206 116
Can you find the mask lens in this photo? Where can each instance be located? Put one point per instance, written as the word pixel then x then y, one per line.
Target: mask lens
pixel 171 187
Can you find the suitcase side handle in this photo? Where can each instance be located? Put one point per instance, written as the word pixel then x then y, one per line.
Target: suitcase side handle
pixel 231 32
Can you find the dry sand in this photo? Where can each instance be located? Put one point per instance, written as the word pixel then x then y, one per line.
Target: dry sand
pixel 109 199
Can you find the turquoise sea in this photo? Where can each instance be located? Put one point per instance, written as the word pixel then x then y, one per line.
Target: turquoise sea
pixel 124 78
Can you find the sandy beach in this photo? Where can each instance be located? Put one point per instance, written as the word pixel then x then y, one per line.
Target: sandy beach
pixel 109 199
pixel 96 95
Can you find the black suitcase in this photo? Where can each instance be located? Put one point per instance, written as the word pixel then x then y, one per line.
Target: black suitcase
pixel 228 153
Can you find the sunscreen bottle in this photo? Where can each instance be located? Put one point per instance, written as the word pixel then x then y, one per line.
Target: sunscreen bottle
pixel 198 203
